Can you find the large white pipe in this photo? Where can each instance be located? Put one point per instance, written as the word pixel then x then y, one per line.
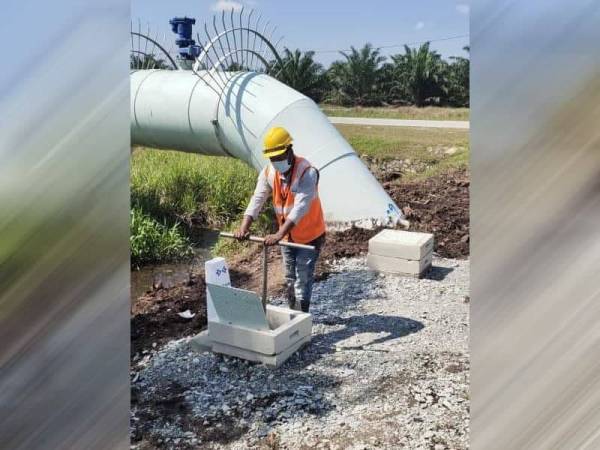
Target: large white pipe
pixel 178 110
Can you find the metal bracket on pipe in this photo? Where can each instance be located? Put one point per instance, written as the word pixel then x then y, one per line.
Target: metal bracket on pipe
pixel 265 257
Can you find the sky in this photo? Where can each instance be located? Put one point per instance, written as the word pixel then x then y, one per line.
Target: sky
pixel 327 26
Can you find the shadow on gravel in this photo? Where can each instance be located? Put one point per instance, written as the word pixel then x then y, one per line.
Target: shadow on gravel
pixel 376 329
pixel 437 273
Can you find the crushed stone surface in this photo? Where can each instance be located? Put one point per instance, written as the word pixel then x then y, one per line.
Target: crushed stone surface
pixel 388 367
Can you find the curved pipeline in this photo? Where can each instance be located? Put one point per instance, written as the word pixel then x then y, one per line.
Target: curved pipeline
pixel 178 110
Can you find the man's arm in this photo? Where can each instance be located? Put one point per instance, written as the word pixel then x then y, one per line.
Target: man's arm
pixel 261 193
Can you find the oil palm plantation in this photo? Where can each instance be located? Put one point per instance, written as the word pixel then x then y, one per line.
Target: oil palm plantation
pixel 357 79
pixel 300 71
pixel 458 80
pixel 419 75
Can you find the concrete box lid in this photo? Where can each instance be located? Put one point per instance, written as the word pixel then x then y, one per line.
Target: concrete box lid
pixel 238 306
pixel 409 245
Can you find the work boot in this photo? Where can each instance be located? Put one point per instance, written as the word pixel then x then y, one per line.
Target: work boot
pixel 304 306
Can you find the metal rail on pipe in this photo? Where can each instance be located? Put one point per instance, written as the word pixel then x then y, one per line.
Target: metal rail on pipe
pixel 260 240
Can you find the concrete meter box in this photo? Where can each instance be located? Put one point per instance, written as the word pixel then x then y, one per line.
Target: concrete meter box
pixel 401 252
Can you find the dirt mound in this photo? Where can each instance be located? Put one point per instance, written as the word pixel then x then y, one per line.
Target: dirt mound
pixel 246 270
pixel 345 244
pixel 155 318
pixel 438 205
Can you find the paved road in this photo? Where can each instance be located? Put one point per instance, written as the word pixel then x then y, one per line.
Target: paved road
pixel 460 124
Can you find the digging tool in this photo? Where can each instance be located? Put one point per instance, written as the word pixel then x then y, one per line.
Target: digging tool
pixel 264 258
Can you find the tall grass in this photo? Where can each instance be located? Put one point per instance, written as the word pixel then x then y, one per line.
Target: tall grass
pixel 195 190
pixel 190 188
pixel 153 242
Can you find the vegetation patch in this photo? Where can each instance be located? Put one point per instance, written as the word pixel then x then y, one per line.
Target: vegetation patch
pixel 193 189
pixel 152 241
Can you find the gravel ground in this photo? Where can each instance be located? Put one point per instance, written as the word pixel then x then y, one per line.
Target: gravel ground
pixel 387 368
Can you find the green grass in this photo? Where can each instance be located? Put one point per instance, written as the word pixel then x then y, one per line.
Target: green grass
pixel 154 242
pixel 204 191
pixel 187 187
pixel 398 112
pixel 436 149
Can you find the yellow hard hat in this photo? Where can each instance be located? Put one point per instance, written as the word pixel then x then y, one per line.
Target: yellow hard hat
pixel 276 142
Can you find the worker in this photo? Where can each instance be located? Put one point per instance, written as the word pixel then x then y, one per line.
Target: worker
pixel 293 184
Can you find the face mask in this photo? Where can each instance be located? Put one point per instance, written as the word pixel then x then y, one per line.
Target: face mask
pixel 281 166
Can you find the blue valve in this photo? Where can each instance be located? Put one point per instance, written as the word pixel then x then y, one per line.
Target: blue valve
pixel 182 26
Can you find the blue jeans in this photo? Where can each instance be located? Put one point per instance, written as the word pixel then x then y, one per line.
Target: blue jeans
pixel 299 268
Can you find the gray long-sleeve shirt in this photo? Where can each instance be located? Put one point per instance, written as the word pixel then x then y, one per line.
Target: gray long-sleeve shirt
pixel 305 192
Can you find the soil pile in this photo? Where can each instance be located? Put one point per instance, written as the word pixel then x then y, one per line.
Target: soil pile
pixel 246 270
pixel 438 205
pixel 155 319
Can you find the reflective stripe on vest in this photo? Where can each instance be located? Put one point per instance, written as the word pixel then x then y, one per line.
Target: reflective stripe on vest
pixel 312 224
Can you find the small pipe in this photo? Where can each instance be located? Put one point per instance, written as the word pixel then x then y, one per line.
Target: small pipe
pixel 261 240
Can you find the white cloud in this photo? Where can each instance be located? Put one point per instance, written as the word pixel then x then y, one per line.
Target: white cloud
pixel 463 8
pixel 227 5
pixel 419 25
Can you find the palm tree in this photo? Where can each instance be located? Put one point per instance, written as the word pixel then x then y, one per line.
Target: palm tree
pixel 419 73
pixel 300 71
pixel 458 80
pixel 357 79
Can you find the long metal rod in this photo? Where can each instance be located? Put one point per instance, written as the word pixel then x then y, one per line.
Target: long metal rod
pixel 265 259
pixel 226 35
pixel 262 240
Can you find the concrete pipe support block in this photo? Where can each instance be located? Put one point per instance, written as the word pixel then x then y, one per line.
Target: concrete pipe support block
pixel 407 245
pixel 400 266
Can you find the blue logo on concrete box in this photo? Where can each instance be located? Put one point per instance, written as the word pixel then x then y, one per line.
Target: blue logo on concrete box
pixel 220 271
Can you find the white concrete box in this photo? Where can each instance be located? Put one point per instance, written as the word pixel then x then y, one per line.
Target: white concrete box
pixel 243 329
pixel 400 266
pixel 407 245
pixel 286 328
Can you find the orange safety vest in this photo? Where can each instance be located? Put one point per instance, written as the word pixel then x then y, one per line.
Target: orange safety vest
pixel 312 225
